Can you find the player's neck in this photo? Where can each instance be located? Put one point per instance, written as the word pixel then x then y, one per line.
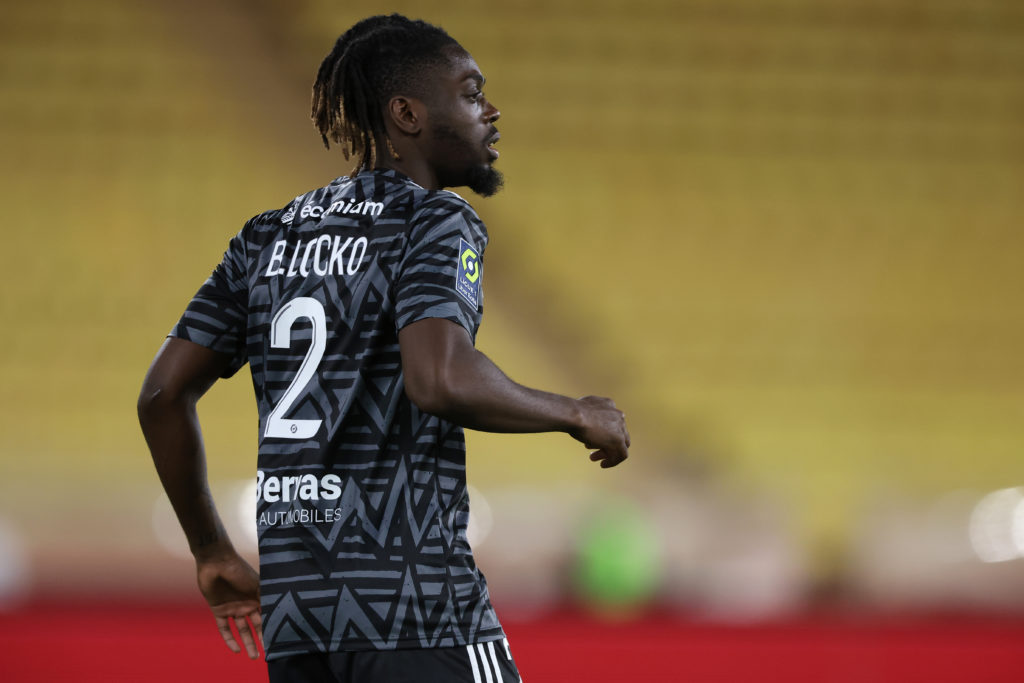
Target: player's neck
pixel 415 169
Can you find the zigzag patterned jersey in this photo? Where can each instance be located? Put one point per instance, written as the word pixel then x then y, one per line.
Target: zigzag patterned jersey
pixel 362 503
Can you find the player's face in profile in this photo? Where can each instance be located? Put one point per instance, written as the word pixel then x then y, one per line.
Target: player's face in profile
pixel 462 128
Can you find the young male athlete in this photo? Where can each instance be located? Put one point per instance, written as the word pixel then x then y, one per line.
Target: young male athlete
pixel 356 307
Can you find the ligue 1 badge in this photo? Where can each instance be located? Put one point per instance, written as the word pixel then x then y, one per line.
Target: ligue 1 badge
pixel 467 278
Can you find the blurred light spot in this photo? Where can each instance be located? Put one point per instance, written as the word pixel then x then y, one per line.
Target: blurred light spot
pixel 997 526
pixel 481 519
pixel 14 567
pixel 618 563
pixel 167 530
pixel 245 515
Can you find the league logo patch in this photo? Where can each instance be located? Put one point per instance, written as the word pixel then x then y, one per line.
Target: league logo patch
pixel 467 279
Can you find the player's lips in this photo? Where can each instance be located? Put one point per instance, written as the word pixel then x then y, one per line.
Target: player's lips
pixel 490 145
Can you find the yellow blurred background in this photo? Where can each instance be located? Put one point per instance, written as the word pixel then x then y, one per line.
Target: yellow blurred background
pixel 785 236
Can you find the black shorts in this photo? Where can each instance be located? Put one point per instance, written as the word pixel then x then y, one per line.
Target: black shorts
pixel 489 662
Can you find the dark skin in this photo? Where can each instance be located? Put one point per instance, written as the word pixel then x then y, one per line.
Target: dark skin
pixel 438 141
pixel 415 125
pixel 180 374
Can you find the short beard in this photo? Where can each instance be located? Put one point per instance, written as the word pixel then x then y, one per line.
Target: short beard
pixel 485 180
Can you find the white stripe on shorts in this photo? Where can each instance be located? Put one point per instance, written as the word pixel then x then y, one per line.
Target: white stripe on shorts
pixel 472 662
pixel 494 661
pixel 483 662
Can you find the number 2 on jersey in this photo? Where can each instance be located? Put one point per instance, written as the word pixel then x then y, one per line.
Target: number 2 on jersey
pixel 281 338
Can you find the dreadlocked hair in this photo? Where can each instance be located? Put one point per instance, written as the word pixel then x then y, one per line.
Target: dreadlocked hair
pixel 377 58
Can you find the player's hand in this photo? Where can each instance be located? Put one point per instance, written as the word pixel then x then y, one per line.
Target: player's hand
pixel 603 430
pixel 232 589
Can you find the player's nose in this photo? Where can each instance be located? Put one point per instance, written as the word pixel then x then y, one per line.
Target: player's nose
pixel 491 114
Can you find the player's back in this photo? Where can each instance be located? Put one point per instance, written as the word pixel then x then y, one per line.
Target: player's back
pixel 361 496
pixel 321 313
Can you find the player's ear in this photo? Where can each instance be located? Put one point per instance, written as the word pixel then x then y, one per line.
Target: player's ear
pixel 407 114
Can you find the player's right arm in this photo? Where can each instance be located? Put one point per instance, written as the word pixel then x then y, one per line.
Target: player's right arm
pixel 179 375
pixel 438 308
pixel 446 376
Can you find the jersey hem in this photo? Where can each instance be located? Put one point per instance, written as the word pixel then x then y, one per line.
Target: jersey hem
pixel 279 652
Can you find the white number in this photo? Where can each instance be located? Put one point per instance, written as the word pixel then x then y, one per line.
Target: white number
pixel 281 338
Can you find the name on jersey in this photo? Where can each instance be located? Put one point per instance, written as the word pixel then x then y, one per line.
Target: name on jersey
pixel 364 208
pixel 325 255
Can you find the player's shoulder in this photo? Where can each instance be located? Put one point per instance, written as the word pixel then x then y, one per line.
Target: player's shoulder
pixel 436 207
pixel 273 219
pixel 445 202
pixel 382 193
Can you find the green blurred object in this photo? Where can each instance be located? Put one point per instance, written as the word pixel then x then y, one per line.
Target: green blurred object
pixel 618 562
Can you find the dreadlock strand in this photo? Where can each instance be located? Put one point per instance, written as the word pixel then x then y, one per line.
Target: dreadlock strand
pixel 361 116
pixel 324 90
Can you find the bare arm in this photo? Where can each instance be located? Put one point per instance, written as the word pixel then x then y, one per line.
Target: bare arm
pixel 446 376
pixel 180 374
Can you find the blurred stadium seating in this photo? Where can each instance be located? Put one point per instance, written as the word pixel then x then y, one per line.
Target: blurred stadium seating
pixel 784 235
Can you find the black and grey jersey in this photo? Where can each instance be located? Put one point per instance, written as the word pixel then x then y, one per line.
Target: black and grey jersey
pixel 362 503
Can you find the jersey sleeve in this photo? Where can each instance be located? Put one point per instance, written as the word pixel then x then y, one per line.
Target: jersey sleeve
pixel 217 315
pixel 441 273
